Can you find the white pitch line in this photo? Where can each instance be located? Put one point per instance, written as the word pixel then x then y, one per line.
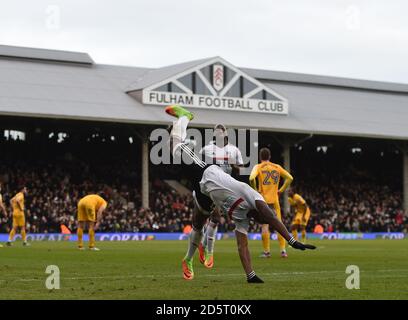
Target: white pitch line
pixel 277 274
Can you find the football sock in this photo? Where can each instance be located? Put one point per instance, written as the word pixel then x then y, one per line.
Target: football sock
pixel 80 234
pixel 282 243
pixel 24 235
pixel 180 128
pixel 205 237
pixel 91 233
pixel 193 242
pixel 295 234
pixel 211 233
pixel 292 241
pixel 11 235
pixel 303 235
pixel 251 275
pixel 266 243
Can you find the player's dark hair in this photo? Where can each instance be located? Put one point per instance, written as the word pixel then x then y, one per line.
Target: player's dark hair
pixel 224 129
pixel 265 154
pixel 221 127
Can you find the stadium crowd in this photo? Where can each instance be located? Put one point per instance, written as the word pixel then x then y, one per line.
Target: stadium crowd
pixel 54 193
pixel 57 179
pixel 364 207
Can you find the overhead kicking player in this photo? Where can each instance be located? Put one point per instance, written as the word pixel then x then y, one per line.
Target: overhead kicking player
pixel 231 197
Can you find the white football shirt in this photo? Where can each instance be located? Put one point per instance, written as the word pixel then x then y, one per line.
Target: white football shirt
pixel 232 197
pixel 223 157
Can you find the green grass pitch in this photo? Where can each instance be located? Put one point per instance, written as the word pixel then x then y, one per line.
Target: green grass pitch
pixel 152 270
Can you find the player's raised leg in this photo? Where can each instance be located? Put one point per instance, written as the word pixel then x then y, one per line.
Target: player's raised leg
pixel 177 137
pixel 179 132
pixel 178 112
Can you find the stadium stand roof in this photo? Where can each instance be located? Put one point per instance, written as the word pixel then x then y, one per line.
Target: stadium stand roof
pixel 45 55
pixel 291 77
pixel 34 83
pixel 155 75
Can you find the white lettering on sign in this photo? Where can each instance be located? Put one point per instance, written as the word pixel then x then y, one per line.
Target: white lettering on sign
pixel 214 102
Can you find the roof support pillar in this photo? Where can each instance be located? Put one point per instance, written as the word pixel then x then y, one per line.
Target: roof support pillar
pixel 287 142
pixel 405 181
pixel 286 165
pixel 145 173
pixel 144 139
pixel 403 146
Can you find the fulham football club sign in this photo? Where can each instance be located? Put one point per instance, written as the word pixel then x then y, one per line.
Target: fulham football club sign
pixel 213 84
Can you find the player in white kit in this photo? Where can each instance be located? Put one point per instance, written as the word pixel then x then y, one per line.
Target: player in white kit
pixel 230 196
pixel 229 158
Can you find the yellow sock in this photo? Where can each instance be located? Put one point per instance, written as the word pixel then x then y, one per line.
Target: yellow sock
pixel 24 235
pixel 266 242
pixel 282 243
pixel 12 234
pixel 295 234
pixel 80 234
pixel 91 238
pixel 303 235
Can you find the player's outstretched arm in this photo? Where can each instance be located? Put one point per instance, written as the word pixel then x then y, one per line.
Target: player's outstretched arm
pixel 288 180
pixel 266 215
pixel 99 217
